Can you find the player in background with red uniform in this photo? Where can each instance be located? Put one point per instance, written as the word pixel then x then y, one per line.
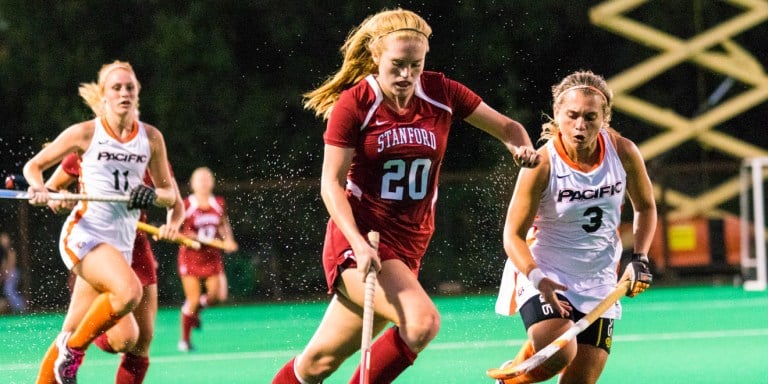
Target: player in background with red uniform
pixel 205 219
pixel 135 351
pixel 388 124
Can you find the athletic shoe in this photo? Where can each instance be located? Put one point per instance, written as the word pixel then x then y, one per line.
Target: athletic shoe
pixel 185 346
pixel 68 362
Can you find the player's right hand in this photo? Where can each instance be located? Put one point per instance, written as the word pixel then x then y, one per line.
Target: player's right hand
pixel 38 195
pixel 142 197
pixel 548 289
pixel 366 258
pixel 62 206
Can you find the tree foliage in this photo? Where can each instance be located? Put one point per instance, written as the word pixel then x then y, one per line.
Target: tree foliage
pixel 223 81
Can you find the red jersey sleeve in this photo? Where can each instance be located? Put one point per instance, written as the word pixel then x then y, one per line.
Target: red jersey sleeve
pixel 71 164
pixel 343 129
pixel 462 99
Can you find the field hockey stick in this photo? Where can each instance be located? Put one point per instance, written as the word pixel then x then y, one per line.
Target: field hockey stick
pixel 367 338
pixel 215 243
pixel 23 195
pixel 179 239
pixel 543 355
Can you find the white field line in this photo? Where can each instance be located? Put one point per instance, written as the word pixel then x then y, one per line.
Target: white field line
pixel 461 345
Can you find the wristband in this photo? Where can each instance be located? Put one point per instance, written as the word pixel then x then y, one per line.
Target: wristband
pixel 535 276
pixel 640 257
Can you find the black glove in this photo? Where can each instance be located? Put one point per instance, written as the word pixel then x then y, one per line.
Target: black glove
pixel 638 273
pixel 141 197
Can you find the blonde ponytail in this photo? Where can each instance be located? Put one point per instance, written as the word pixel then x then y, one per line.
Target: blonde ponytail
pixel 357 52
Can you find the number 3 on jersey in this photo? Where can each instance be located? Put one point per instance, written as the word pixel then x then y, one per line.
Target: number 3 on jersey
pixel 394 182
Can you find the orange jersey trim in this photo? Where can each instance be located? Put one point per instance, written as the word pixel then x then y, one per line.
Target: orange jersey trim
pixel 513 301
pixel 563 155
pixel 71 225
pixel 112 134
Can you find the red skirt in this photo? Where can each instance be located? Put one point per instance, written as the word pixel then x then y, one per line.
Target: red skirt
pixel 205 262
pixel 144 263
pixel 338 256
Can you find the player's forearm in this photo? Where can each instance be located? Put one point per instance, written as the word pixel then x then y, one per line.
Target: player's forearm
pixel 644 227
pixel 166 197
pixel 518 252
pixel 59 180
pixel 175 215
pixel 33 173
pixel 515 136
pixel 335 200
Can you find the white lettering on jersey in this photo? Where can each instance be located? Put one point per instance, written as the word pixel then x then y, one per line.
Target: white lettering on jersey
pixel 407 135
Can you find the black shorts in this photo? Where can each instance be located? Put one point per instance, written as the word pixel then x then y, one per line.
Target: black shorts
pixel 599 333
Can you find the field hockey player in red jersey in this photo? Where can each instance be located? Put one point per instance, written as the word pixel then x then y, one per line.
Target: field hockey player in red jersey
pixel 388 124
pixel 115 150
pixel 561 232
pixel 206 219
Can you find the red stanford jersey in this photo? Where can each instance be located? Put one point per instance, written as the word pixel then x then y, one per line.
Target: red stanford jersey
pixel 203 223
pixel 392 181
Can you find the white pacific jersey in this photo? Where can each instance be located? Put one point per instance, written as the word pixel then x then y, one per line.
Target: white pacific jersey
pixel 574 238
pixel 108 167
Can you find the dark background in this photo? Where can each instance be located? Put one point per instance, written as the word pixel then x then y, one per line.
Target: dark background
pixel 223 81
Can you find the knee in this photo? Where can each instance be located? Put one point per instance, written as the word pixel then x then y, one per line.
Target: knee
pixel 123 339
pixel 418 331
pixel 316 366
pixel 126 299
pixel 211 300
pixel 123 344
pixel 141 346
pixel 559 361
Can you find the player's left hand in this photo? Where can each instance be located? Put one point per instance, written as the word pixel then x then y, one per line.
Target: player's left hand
pixel 38 196
pixel 230 246
pixel 638 274
pixel 167 232
pixel 526 157
pixel 142 197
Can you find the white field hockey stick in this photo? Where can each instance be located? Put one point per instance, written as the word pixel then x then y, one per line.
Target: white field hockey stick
pixel 179 239
pixel 23 195
pixel 543 355
pixel 367 338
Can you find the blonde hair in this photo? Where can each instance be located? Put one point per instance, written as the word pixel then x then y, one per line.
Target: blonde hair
pixel 92 93
pixel 357 50
pixel 587 82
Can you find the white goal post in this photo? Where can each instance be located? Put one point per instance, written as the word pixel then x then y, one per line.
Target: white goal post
pixel 754 265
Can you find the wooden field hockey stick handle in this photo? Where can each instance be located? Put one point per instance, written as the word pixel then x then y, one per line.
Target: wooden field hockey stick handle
pixel 215 243
pixel 367 336
pixel 23 195
pixel 545 353
pixel 179 239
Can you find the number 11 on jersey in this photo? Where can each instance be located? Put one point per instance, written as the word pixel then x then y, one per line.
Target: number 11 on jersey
pixel 117 175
